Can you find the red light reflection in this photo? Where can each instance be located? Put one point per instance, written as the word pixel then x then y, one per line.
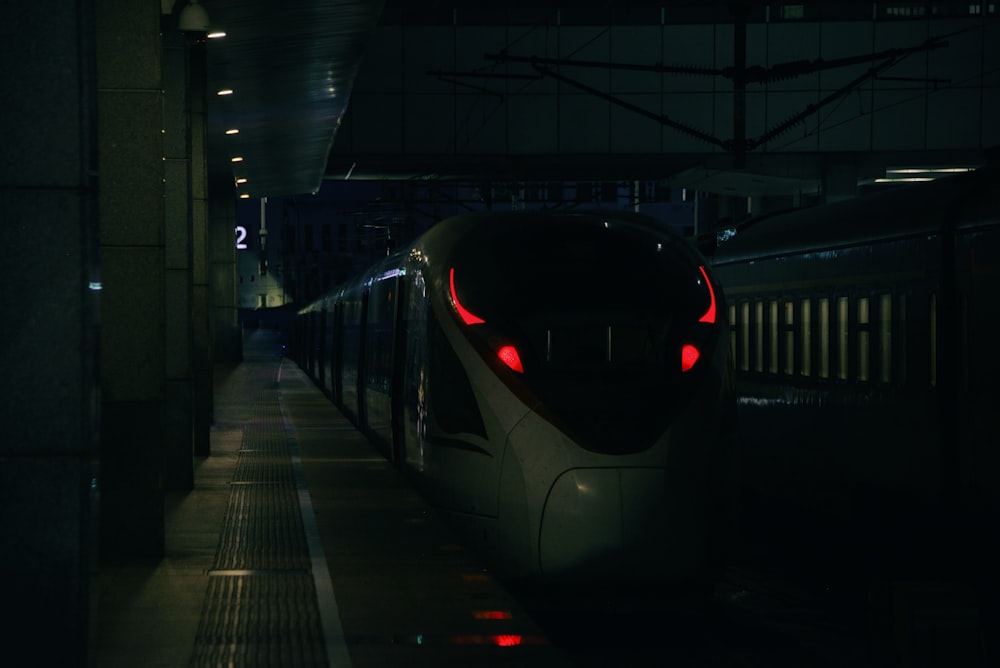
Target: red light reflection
pixel 505 640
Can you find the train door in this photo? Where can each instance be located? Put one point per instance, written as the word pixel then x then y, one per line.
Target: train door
pixel 362 370
pixel 337 354
pixel 329 351
pixel 412 397
pixel 321 353
pixel 307 342
pixel 397 389
pixel 314 344
pixel 379 341
pixel 349 360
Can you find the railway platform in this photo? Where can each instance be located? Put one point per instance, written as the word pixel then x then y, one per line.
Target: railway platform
pixel 301 546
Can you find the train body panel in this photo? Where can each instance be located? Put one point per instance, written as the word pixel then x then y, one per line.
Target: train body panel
pixel 380 342
pixel 978 364
pixel 329 345
pixel 854 329
pixel 351 305
pixel 558 385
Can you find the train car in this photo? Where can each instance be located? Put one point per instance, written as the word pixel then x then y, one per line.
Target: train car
pixel 557 384
pixel 866 370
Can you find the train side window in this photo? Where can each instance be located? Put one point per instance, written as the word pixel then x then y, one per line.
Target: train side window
pixel 745 336
pixel 842 343
pixel 933 333
pixel 864 338
pixel 758 360
pixel 963 341
pixel 772 358
pixel 805 323
pixel 789 323
pixel 885 337
pixel 901 338
pixel 824 337
pixel 732 330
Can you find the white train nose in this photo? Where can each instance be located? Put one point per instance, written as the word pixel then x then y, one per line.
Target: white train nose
pixel 622 518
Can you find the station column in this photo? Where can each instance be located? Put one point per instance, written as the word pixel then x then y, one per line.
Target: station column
pixel 133 312
pixel 51 301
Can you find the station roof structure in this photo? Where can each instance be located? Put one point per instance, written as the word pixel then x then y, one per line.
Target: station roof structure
pixel 282 84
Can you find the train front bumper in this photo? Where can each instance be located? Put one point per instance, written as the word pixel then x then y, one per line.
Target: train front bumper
pixel 614 522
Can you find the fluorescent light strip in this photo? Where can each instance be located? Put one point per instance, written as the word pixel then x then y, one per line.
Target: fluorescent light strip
pixel 928 170
pixel 905 179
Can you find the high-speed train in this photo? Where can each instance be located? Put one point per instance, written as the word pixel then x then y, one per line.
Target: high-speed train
pixel 557 384
pixel 866 364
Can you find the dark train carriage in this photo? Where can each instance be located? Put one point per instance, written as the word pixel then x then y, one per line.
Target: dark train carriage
pixel 865 372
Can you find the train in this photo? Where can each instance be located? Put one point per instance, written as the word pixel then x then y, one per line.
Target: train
pixel 866 369
pixel 557 385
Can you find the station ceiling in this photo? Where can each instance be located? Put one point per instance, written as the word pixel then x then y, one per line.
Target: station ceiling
pixel 287 70
pixel 291 67
pixel 279 81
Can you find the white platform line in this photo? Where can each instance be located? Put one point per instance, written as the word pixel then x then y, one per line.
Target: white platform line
pixel 329 613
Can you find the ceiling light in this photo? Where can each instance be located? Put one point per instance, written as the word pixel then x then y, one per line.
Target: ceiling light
pixel 241 180
pixel 225 91
pixel 216 34
pixel 928 170
pixel 193 18
pixel 245 196
pixel 236 158
pixel 233 131
pixel 905 179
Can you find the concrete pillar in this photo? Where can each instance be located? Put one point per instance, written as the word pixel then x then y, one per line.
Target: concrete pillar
pixel 204 392
pixel 227 336
pixel 225 332
pixel 132 211
pixel 179 257
pixel 49 385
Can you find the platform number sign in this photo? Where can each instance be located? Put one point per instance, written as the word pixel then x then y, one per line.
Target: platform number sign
pixel 241 237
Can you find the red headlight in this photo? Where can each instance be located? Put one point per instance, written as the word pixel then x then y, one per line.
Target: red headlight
pixel 709 315
pixel 508 355
pixel 689 355
pixel 467 317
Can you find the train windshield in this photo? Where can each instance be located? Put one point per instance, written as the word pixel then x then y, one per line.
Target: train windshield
pixel 597 311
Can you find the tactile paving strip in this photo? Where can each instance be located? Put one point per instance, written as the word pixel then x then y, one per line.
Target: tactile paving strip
pixel 261 607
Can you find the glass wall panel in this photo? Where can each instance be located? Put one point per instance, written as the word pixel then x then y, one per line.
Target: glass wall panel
pixel 864 338
pixel 824 337
pixel 842 343
pixel 885 338
pixel 805 323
